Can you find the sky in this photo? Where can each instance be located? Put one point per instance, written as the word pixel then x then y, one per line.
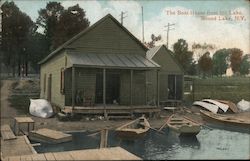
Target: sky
pixel 223 23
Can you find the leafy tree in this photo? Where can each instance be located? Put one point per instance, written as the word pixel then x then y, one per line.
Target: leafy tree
pixel 220 63
pixel 235 59
pixel 71 22
pixel 48 19
pixel 182 54
pixel 154 39
pixel 205 63
pixel 61 24
pixel 16 27
pixel 245 65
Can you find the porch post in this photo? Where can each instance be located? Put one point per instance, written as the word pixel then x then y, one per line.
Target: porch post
pixel 131 87
pixel 104 92
pixel 73 87
pixel 157 83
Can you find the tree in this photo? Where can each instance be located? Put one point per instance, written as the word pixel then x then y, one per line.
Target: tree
pixel 182 54
pixel 235 59
pixel 71 22
pixel 245 65
pixel 61 24
pixel 48 19
pixel 200 49
pixel 154 39
pixel 16 26
pixel 205 63
pixel 220 63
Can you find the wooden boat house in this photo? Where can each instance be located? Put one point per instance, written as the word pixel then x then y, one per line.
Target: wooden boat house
pixel 102 69
pixel 170 77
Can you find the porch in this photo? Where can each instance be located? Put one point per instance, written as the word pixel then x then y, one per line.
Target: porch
pixel 108 84
pixel 114 111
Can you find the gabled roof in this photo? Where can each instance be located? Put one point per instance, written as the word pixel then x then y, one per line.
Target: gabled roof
pixel 87 30
pixel 153 51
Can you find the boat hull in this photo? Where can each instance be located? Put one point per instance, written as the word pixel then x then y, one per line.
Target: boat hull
pixel 183 126
pixel 130 134
pixel 134 129
pixel 224 124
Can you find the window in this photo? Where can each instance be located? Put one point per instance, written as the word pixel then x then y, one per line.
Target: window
pixel 44 83
pixel 62 81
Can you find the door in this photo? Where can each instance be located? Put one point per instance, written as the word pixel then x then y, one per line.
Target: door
pixel 175 87
pixel 49 87
pixel 112 88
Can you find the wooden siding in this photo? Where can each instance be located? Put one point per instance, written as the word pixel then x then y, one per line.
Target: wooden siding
pixel 168 66
pixel 166 61
pixel 107 38
pixel 53 67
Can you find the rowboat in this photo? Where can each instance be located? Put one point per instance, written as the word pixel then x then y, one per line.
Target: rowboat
pixel 134 129
pixel 183 125
pixel 232 122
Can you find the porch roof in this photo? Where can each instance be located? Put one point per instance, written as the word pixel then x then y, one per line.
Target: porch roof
pixel 126 61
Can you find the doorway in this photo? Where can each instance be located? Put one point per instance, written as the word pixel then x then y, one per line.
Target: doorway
pixel 49 87
pixel 175 87
pixel 112 88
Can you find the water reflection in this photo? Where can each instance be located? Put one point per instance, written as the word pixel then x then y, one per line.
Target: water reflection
pixel 189 141
pixel 208 144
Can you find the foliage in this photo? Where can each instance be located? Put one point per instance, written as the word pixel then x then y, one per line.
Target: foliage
pixel 205 63
pixel 48 20
pixel 245 65
pixel 235 59
pixel 154 39
pixel 61 24
pixel 220 63
pixel 16 27
pixel 182 54
pixel 71 21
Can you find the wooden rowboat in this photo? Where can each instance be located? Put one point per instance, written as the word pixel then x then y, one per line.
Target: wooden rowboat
pixel 183 125
pixel 232 122
pixel 134 129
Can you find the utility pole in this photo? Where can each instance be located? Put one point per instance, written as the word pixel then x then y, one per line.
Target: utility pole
pixel 142 25
pixel 168 29
pixel 123 16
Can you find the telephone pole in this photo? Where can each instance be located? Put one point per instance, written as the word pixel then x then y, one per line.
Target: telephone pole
pixel 123 16
pixel 142 24
pixel 168 29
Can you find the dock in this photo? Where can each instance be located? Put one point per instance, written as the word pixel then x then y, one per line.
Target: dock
pixel 19 146
pixel 49 136
pixel 7 133
pixel 114 153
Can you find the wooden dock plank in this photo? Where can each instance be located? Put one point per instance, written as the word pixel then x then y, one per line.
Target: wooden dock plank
pixel 15 158
pixel 114 153
pixel 49 156
pixel 38 157
pixel 7 133
pixel 26 158
pixel 63 156
pixel 50 136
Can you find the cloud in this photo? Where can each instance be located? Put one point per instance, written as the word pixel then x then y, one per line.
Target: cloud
pixel 224 34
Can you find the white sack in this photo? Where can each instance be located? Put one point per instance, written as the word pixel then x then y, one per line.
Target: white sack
pixel 243 105
pixel 40 108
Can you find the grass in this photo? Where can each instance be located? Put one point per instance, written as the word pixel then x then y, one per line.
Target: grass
pixel 22 92
pixel 234 89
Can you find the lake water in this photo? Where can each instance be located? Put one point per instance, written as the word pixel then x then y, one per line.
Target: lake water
pixel 208 144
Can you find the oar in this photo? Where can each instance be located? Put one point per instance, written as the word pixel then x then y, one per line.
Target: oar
pixel 154 129
pixel 198 122
pixel 165 123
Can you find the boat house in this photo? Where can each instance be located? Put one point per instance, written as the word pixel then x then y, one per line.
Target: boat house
pixel 102 68
pixel 170 77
